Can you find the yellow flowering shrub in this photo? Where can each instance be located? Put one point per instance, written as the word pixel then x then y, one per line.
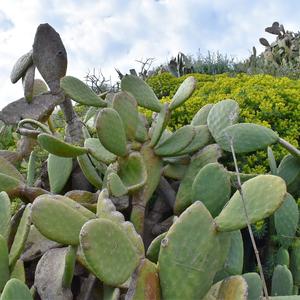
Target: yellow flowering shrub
pixel 266 100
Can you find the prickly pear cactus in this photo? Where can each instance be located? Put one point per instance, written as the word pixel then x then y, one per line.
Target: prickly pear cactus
pixel 123 208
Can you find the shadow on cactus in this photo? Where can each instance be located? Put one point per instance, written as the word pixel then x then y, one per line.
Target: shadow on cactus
pixel 138 211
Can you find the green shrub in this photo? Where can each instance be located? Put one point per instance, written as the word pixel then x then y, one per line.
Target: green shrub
pixel 265 100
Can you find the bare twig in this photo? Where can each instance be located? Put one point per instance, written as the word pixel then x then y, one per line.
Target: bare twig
pixel 239 187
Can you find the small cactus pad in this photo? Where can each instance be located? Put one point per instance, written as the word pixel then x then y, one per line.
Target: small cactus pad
pixel 200 118
pixel 282 281
pixel 154 248
pixel 179 140
pixel 175 171
pixel 20 237
pixel 58 147
pixel 111 131
pixel 159 124
pixel 201 138
pixel 4 266
pixel 18 271
pixel 289 170
pixel 16 289
pixel 212 187
pixel 254 283
pixel 59 171
pixel 89 170
pixel 246 137
pixel 70 260
pixel 145 282
pixel 222 115
pixel 184 91
pixel 97 150
pixel 80 92
pixel 141 91
pixel 141 134
pixel 209 154
pixel 39 87
pixel 126 106
pixel 9 169
pixel 282 257
pixel 189 258
pixel 133 171
pixel 268 187
pixel 295 261
pixel 9 184
pixel 115 185
pixel 272 161
pixel 108 251
pixel 59 218
pixel 20 67
pixel 28 82
pixel 5 215
pixel 286 219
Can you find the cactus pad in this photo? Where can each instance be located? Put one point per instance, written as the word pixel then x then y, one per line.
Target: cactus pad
pixel 15 289
pixel 200 118
pixel 141 91
pixel 20 67
pixel 268 187
pixel 80 92
pixel 108 251
pixel 97 150
pixel 5 215
pixel 282 281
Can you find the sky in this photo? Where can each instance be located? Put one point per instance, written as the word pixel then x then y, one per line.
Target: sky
pixel 108 34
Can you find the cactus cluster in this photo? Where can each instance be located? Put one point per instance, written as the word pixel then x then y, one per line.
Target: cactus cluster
pixel 134 210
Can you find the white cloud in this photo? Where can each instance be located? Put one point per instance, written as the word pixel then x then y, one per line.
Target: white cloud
pixel 107 34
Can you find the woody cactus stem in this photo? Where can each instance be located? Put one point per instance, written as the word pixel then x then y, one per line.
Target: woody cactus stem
pixel 74 127
pixel 239 188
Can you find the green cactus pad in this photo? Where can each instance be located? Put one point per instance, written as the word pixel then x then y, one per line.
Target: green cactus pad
pixel 268 187
pixel 145 282
pixel 8 169
pixel 16 289
pixel 246 137
pixel 175 171
pixel 209 154
pixel 70 260
pixel 126 106
pixel 4 265
pixel 286 220
pixel 289 170
pixel 115 185
pixel 282 281
pixel 89 170
pixel 179 140
pixel 295 261
pixel 223 114
pixel 112 260
pixel 59 218
pixel 97 150
pixel 272 161
pixel 59 171
pixel 141 134
pixel 141 91
pixel 184 91
pixel 5 215
pixel 160 124
pixel 20 237
pixel 133 171
pixel 111 131
pixel 233 264
pixel 9 184
pixel 255 290
pixel 31 169
pixel 200 117
pixel 20 67
pixel 18 271
pixel 201 138
pixel 282 257
pixel 58 147
pixel 80 92
pixel 212 187
pixel 154 248
pixel 189 258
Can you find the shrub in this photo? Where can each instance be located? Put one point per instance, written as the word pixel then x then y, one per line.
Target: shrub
pixel 265 100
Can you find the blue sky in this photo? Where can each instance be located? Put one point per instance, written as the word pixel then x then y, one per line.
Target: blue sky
pixel 105 34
